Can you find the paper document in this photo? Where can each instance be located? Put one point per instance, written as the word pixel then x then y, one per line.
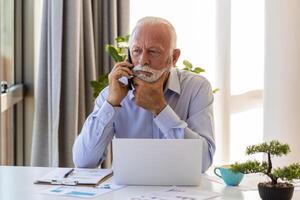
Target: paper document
pixel 77 176
pixel 178 193
pixel 82 192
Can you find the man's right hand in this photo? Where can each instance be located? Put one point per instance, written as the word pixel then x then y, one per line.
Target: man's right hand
pixel 117 90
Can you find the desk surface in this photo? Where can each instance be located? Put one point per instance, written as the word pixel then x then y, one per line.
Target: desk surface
pixel 17 183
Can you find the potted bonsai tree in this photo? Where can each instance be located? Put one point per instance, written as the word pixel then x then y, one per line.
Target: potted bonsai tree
pixel 118 53
pixel 280 185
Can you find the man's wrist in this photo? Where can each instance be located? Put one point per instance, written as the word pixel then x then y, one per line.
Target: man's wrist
pixel 114 103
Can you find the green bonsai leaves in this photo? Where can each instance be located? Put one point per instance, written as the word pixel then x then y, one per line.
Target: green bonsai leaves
pixel 273 148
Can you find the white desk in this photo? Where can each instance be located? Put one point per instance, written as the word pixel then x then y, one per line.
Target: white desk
pixel 17 183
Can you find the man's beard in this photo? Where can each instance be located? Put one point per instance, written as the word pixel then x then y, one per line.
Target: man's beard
pixel 146 73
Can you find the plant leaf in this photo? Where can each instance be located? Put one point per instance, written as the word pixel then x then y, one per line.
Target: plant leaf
pixel 198 70
pixel 273 147
pixel 95 84
pixel 216 90
pixel 249 167
pixel 120 39
pixel 122 45
pixel 113 52
pixel 188 65
pixel 127 37
pixel 288 173
pixel 99 84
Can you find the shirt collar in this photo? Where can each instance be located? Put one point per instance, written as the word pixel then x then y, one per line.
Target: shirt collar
pixel 172 83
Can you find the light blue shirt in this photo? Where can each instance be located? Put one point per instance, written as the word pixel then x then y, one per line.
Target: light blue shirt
pixel 189 114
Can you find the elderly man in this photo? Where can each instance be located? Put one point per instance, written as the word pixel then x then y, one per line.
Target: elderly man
pixel 165 102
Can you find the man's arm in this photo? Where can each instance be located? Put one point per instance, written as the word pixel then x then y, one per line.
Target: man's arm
pixel 97 132
pixel 199 125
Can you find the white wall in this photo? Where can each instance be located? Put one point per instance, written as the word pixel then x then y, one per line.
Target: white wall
pixel 282 75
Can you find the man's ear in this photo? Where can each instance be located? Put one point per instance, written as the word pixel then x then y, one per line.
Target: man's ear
pixel 176 54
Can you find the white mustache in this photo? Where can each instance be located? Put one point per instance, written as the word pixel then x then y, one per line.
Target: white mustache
pixel 148 74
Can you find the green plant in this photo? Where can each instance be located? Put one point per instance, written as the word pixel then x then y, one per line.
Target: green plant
pixel 197 70
pixel 273 148
pixel 118 53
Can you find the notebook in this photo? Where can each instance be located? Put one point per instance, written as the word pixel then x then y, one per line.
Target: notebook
pixel 157 161
pixel 75 176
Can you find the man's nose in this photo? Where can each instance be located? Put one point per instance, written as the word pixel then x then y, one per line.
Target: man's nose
pixel 144 59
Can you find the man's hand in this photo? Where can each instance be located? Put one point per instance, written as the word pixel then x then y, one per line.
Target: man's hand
pixel 117 90
pixel 150 95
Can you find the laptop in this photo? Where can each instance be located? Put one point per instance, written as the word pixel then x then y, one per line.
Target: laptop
pixel 157 161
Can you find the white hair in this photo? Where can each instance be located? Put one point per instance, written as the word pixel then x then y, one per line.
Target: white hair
pixel 154 21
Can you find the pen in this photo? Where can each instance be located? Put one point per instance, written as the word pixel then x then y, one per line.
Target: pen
pixel 68 173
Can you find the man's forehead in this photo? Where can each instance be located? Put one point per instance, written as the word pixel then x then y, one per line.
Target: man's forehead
pixel 155 34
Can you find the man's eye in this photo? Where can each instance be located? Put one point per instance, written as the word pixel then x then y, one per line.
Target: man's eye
pixel 155 53
pixel 135 51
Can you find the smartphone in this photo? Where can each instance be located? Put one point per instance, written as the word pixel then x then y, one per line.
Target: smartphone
pixel 130 83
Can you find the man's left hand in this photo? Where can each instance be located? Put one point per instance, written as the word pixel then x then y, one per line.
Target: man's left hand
pixel 150 96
